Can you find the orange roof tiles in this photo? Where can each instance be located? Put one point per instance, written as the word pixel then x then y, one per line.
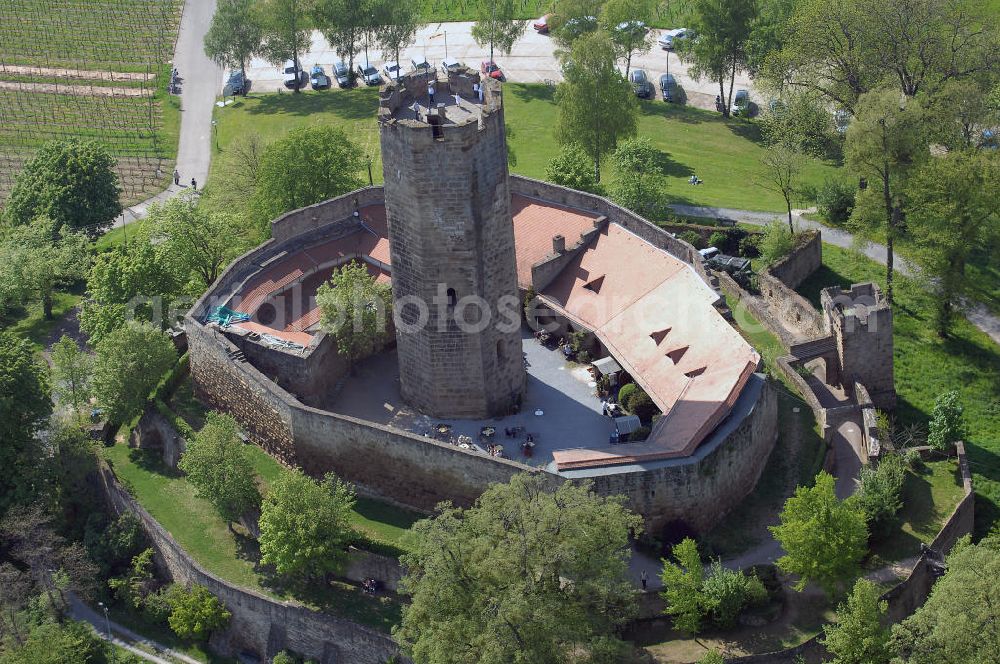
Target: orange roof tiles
pixel 535 224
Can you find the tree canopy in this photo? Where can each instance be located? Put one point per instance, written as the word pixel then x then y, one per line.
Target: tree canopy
pixel 497 25
pixel 720 50
pixel 130 362
pixel 355 309
pixel 71 182
pixel 596 105
pixel 305 525
pixel 858 635
pixel 235 34
pixel 571 167
pixel 71 373
pixel 528 574
pixel 824 538
pixel 306 166
pixel 219 466
pixel 285 29
pixel 39 257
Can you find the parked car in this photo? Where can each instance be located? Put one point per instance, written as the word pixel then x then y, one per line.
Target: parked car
pixel 668 87
pixel 640 83
pixel 421 66
pixel 450 65
pixel 636 28
pixel 392 71
pixel 342 74
pixel 294 76
pixel 668 37
pixel 318 78
pixel 368 73
pixel 236 84
pixel 491 69
pixel 741 104
pixel 542 25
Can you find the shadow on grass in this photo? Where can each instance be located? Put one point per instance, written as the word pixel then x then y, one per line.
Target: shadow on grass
pixel 678 113
pixel 151 460
pixel 533 92
pixel 824 277
pixel 360 104
pixel 747 130
pixel 380 512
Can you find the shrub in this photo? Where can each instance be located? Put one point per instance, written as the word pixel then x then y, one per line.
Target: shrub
pixel 642 433
pixel 912 458
pixel 583 357
pixel 946 426
pixel 572 168
pixel 642 405
pixel 196 613
pixel 880 491
pixel 777 242
pixel 625 394
pixel 718 239
pixel 835 201
pixel 727 592
pixel 712 657
pixel 749 246
pixel 692 238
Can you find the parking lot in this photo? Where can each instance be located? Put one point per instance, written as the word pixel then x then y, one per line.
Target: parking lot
pixel 531 61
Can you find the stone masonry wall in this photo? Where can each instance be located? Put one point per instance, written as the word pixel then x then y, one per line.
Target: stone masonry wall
pixel 778 282
pixel 259 624
pixel 544 271
pixel 700 490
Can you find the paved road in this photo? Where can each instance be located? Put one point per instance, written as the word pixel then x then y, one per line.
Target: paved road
pixel 201 81
pixel 977 313
pixel 532 60
pixel 124 637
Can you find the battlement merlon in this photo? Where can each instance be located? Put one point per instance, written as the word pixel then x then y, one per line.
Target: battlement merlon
pixel 852 308
pixel 406 102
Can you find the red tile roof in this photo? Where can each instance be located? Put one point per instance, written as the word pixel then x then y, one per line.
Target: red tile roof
pixel 536 223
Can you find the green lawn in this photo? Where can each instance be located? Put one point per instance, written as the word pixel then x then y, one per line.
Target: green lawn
pixel 930 494
pixel 725 154
pixel 667 14
pixel 927 366
pixel 30 323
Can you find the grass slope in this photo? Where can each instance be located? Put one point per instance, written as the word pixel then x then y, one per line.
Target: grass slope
pixel 927 366
pixel 724 153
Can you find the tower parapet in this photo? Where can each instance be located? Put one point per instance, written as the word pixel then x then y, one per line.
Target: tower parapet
pixel 860 320
pixel 454 275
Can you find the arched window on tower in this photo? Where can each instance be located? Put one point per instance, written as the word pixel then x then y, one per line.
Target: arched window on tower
pixel 452 297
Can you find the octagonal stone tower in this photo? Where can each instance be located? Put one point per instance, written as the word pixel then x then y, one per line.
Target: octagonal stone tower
pixel 454 276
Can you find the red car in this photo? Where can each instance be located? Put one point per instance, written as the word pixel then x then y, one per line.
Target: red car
pixel 542 25
pixel 491 69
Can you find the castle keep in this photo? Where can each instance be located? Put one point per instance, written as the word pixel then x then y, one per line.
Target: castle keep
pixel 451 241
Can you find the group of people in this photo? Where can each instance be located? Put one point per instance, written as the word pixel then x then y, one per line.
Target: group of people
pixel 174 81
pixel 369 586
pixel 177 180
pixel 494 450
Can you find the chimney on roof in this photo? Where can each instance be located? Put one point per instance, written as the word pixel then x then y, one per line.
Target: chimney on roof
pixel 559 244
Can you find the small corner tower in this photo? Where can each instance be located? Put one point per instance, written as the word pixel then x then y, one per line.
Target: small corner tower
pixel 454 276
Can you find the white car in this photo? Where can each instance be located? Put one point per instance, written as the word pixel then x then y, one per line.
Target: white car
pixel 294 76
pixel 668 37
pixel 392 71
pixel 421 66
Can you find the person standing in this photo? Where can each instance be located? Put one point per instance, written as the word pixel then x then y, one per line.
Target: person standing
pixel 194 184
pixel 177 177
pixel 643 577
pixel 430 92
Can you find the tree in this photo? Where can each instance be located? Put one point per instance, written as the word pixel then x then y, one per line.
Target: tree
pixel 946 426
pixel 138 582
pixel 857 636
pixel 571 168
pixel 880 491
pixel 957 623
pixel 130 362
pixel 497 25
pixel 15 590
pixel 958 112
pixel 782 165
pixel 596 105
pixel 43 257
pixel 720 51
pixel 196 613
pixel 305 525
pixel 308 165
pixel 284 30
pixel 219 466
pixel 824 538
pixel 72 182
pixel 728 592
pixel 626 22
pixel 572 19
pixel 51 642
pixel 801 120
pixel 235 34
pixel 138 280
pixel 354 308
pixel 344 23
pixel 400 22
pixel 530 573
pixel 24 408
pixel 952 212
pixel 682 587
pixel 777 242
pixel 884 142
pixel 196 240
pixel 71 372
pixel 846 48
pixel 638 183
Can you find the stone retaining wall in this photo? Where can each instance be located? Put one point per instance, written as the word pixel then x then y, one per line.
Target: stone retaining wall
pixel 260 624
pixel 777 284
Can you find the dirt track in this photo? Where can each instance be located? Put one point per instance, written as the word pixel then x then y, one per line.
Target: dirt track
pixel 76 90
pixel 85 74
